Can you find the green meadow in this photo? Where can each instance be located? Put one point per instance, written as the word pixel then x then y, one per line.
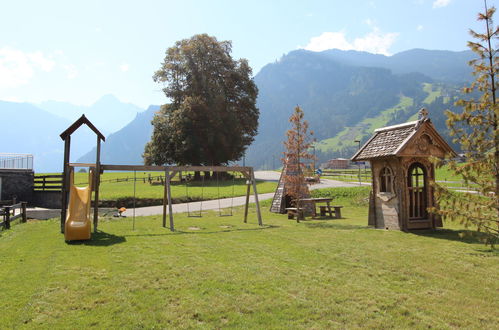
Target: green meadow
pixel 218 272
pixel 120 185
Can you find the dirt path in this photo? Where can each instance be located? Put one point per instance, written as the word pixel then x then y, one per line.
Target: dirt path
pixel 228 202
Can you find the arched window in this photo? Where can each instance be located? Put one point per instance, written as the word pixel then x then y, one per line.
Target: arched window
pixel 385 179
pixel 416 183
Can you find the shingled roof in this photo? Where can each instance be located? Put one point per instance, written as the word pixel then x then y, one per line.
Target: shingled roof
pixel 386 141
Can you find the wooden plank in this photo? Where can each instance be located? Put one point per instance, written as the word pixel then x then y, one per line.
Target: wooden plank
pixel 6 222
pixel 165 197
pixel 82 165
pixel 211 168
pixel 246 205
pixel 256 198
pixel 170 207
pixel 65 184
pixel 23 210
pixel 96 179
pixel 108 167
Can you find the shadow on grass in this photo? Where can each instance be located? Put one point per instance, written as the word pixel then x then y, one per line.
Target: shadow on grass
pixel 101 239
pixel 329 225
pixel 201 232
pixel 461 235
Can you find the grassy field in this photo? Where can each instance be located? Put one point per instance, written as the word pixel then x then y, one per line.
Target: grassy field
pixel 443 175
pixel 210 189
pixel 219 272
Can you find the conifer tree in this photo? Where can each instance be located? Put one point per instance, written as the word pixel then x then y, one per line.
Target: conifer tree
pixel 476 128
pixel 298 143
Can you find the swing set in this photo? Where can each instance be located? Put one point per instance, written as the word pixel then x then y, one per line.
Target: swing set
pixel 169 173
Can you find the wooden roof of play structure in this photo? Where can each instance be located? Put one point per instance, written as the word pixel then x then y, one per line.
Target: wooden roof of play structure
pixel 82 120
pixel 396 141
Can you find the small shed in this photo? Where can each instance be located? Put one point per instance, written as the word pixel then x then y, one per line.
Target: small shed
pixel 401 174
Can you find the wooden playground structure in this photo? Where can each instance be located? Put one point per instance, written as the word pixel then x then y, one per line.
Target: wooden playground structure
pixel 169 172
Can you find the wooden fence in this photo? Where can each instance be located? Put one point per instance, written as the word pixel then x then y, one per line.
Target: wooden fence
pixel 8 214
pixel 48 183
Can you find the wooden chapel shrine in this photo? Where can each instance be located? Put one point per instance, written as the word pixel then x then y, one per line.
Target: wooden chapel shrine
pixel 401 174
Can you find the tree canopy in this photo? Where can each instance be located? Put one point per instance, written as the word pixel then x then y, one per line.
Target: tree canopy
pixel 476 128
pixel 212 117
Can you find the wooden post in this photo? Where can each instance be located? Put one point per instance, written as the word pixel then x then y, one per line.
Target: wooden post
pixel 165 197
pixel 252 173
pixel 170 207
pixel 97 184
pixel 65 181
pixel 248 189
pixel 23 210
pixel 6 223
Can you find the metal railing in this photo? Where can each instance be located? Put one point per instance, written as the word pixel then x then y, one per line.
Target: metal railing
pixel 16 161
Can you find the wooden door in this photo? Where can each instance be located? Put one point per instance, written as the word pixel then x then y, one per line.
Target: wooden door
pixel 417 192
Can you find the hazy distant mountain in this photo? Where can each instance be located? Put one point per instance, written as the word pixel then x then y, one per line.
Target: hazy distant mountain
pixel 347 94
pixel 29 129
pixel 108 114
pixel 440 65
pixel 126 145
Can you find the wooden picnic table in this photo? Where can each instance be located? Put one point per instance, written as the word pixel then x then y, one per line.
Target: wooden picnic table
pixel 324 208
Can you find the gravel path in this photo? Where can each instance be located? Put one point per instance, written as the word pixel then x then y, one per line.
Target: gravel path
pixel 228 202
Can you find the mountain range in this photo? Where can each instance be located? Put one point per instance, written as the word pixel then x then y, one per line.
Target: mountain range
pixel 108 113
pixel 345 96
pixel 34 129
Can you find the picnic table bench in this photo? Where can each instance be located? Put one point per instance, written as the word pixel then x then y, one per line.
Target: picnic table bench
pixel 324 209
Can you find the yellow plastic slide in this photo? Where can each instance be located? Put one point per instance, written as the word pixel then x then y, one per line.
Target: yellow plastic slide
pixel 78 224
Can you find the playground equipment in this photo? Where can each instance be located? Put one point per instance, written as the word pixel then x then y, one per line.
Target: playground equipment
pixel 96 169
pixel 78 224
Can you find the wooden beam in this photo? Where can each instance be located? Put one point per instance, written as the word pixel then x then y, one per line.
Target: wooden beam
pixel 96 179
pixel 246 205
pixel 165 197
pixel 130 168
pixel 170 207
pixel 253 181
pixel 211 168
pixel 65 181
pixel 91 165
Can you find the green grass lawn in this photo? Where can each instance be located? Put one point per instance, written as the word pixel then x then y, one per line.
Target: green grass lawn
pixel 209 189
pixel 218 272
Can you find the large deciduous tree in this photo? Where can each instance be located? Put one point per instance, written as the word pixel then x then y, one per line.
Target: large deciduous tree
pixel 476 128
pixel 212 117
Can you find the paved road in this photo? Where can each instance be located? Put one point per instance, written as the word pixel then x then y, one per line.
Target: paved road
pixel 228 202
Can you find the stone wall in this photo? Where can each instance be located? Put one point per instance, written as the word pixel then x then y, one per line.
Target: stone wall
pixel 47 199
pixel 17 183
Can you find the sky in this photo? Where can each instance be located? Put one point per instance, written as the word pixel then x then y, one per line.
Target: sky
pixel 78 51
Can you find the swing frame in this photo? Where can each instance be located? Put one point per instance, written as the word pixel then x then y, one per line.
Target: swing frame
pixel 170 173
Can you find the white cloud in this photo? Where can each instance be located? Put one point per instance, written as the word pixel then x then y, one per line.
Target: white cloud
pixel 18 68
pixel 440 3
pixel 419 27
pixel 373 42
pixel 71 71
pixel 124 67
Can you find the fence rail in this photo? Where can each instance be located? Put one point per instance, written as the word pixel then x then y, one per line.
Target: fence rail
pixel 48 183
pixel 16 161
pixel 8 214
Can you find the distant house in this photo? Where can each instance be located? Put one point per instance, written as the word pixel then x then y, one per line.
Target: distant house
pixel 402 172
pixel 338 163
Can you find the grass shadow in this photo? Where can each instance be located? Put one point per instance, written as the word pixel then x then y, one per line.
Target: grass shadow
pixel 459 235
pixel 329 225
pixel 101 239
pixel 202 232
